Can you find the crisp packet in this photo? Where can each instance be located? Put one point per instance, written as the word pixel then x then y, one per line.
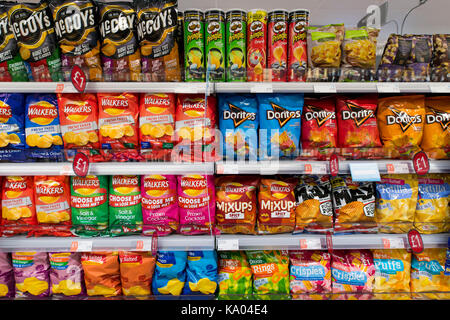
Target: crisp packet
pixel 201 273
pixel 12 120
pixel 436 130
pixel 234 276
pixel 66 273
pixel 7 287
pixel 31 273
pixel 324 45
pixel 170 273
pixel 136 272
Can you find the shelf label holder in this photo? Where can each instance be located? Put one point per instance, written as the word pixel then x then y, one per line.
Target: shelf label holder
pixel 227 244
pixel 310 244
pixel 81 246
pixel 393 243
pixel 365 172
pixel 397 167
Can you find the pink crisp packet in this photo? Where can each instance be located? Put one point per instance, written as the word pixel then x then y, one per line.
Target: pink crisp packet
pixel 353 271
pixel 6 276
pixel 310 274
pixel 196 202
pixel 159 204
pixel 31 272
pixel 66 274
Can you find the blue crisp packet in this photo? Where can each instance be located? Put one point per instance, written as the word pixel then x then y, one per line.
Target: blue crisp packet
pixel 12 121
pixel 201 273
pixel 238 123
pixel 170 273
pixel 280 123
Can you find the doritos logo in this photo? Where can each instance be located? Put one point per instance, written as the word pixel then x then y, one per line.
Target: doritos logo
pixel 321 116
pixel 403 119
pixel 238 115
pixel 442 118
pixel 356 113
pixel 282 115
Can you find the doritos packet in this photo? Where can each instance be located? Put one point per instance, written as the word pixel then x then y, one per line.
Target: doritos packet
pixel 201 273
pixel 66 273
pixel 170 273
pixel 12 120
pixel 31 273
pixel 7 285
pixel 234 276
pixel 436 130
pixel 136 272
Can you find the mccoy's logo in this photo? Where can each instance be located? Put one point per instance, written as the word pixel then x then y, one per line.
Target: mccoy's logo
pixel 321 116
pixel 30 25
pixel 403 119
pixel 238 115
pixel 72 22
pixel 358 114
pixel 443 118
pixel 282 115
pixel 154 25
pixel 117 24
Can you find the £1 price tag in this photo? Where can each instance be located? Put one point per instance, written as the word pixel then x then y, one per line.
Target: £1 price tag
pixel 421 163
pixel 310 244
pixel 393 243
pixel 81 246
pixel 78 78
pixel 80 164
pixel 415 241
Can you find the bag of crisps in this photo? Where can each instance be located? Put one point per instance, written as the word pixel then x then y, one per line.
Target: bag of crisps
pixel 324 45
pixel 432 211
pixel 7 284
pixel 234 276
pixel 310 274
pixel 31 274
pixel 34 31
pixel 401 121
pixel 396 202
pixel 101 273
pixel 136 272
pixel 270 269
pixel 159 204
pixel 170 273
pixel 18 205
pixel 121 57
pixel 157 124
pixel 118 120
pixel 76 31
pixel 52 194
pixel 392 274
pixel 352 274
pixel 436 130
pixel 66 273
pixel 196 202
pixel 201 273
pixel 276 206
pixel 89 202
pixel 427 275
pixel 354 205
pixel 12 120
pixel 236 204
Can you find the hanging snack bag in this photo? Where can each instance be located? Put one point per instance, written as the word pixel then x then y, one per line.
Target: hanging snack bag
pixel 276 206
pixel 238 123
pixel 280 118
pixel 201 273
pixel 432 211
pixel 236 204
pixel 76 30
pixel 18 210
pixel 159 204
pixel 170 273
pixel 401 121
pixel 121 57
pixel 52 194
pixel 12 120
pixel 136 272
pixel 31 274
pixel 7 285
pixel 436 130
pixel 118 120
pixel 234 276
pixel 396 202
pixel 89 202
pixel 101 273
pixel 324 45
pixel 34 31
pixel 66 273
pixel 196 202
pixel 310 274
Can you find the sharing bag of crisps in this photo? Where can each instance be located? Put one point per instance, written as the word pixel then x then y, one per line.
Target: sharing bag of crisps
pixel 436 130
pixel 12 121
pixel 31 274
pixel 234 276
pixel 136 272
pixel 66 273
pixel 170 273
pixel 324 45
pixel 7 284
pixel 201 273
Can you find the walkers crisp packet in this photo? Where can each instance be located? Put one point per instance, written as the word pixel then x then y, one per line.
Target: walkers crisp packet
pixel 31 273
pixel 66 273
pixel 12 120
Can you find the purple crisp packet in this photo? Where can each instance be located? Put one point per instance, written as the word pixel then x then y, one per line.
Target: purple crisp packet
pixel 66 274
pixel 31 272
pixel 6 276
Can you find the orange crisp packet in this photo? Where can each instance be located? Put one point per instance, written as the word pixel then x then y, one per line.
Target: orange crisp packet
pixel 436 131
pixel 136 272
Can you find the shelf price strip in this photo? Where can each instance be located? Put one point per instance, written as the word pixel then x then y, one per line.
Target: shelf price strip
pixel 81 246
pixel 315 168
pixel 393 243
pixel 227 244
pixel 397 168
pixel 310 244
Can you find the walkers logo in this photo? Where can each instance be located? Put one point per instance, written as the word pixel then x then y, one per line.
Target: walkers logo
pixel 193 185
pixel 5 112
pixel 282 115
pixel 156 185
pixel 358 114
pixel 321 116
pixel 125 184
pixel 49 191
pixel 42 113
pixel 194 107
pixel 85 186
pixel 238 115
pixel 403 119
pixel 114 106
pixel 77 111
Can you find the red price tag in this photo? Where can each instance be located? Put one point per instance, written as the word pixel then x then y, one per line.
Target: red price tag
pixel 154 244
pixel 415 241
pixel 308 168
pixel 329 242
pixel 80 164
pixel 421 163
pixel 334 165
pixel 78 78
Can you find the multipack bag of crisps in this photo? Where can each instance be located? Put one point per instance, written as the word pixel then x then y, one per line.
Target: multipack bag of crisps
pixel 427 275
pixel 78 115
pixel 7 284
pixel 125 210
pixel 136 272
pixel 170 273
pixel 31 274
pixel 53 211
pixel 66 273
pixel 89 203
pixel 101 273
pixel 18 205
pixel 12 121
pixel 352 274
pixel 280 119
pixel 159 48
pixel 157 124
pixel 270 270
pixel 238 123
pixel 310 274
pixel 314 209
pixel 234 276
pixel 392 274
pixel 396 202
pixel 436 130
pixel 276 206
pixel 196 202
pixel 354 205
pixel 201 273
pixel 432 211
pixel 76 31
pixel 118 120
pixel 236 204
pixel 159 204
pixel 34 31
pixel 120 56
pixel 401 121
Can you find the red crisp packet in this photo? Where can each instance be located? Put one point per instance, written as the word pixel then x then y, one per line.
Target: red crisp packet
pixel 319 127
